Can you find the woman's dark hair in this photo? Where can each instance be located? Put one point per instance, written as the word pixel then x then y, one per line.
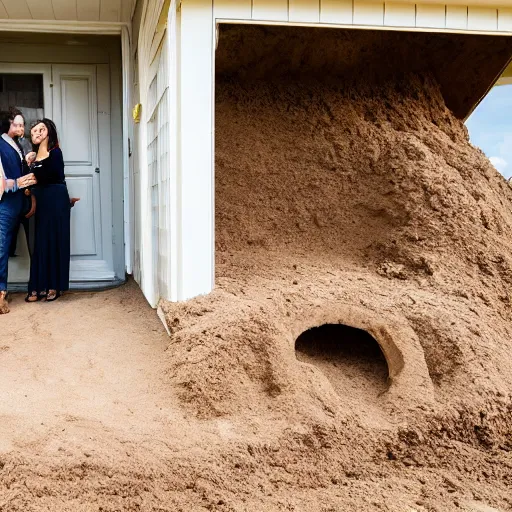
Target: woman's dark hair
pixel 53 139
pixel 8 118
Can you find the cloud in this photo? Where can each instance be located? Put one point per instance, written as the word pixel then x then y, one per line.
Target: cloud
pixel 500 163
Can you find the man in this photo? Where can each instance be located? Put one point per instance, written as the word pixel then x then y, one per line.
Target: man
pixel 12 198
pixel 17 134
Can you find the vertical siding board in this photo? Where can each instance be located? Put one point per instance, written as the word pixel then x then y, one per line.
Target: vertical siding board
pixel 88 10
pixel 430 16
pixel 457 17
pixel 195 182
pixel 336 11
pixel 505 20
pixel 41 9
pixel 17 9
pixel 126 10
pixel 482 18
pixel 110 10
pixel 307 11
pixel 399 15
pixel 368 13
pixel 64 10
pixel 270 10
pixel 233 9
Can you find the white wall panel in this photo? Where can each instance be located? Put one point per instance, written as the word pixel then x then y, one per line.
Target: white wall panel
pixel 431 15
pixel 457 17
pixel 126 10
pixel 110 10
pixel 307 11
pixel 336 11
pixel 233 9
pixel 482 18
pixel 505 20
pixel 17 9
pixel 41 9
pixel 197 215
pixel 88 10
pixel 399 15
pixel 64 9
pixel 368 13
pixel 270 10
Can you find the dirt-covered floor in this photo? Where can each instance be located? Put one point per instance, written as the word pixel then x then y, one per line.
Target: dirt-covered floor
pixel 356 203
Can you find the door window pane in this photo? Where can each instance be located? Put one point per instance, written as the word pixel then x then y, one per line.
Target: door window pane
pixel 25 92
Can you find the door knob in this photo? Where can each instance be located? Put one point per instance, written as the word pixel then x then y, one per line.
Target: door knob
pixel 97 170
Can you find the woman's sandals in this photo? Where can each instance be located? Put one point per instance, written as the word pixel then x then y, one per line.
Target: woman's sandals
pixel 47 297
pixel 52 295
pixel 32 297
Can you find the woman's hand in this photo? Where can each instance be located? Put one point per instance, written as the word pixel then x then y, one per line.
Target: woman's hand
pixel 30 157
pixel 74 200
pixel 27 181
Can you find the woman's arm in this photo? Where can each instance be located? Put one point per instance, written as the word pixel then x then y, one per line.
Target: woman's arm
pixel 52 169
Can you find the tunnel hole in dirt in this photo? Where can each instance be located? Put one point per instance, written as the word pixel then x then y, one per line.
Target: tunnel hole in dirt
pixel 350 358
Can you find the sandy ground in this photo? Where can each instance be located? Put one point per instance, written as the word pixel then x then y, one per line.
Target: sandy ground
pixel 90 422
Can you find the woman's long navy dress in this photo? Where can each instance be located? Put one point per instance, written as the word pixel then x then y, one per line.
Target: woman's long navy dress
pixel 49 268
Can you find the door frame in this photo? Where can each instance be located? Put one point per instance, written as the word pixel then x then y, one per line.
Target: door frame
pixel 19 267
pixel 115 117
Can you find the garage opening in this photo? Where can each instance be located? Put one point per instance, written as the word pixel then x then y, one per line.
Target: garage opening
pixel 315 129
pixel 350 358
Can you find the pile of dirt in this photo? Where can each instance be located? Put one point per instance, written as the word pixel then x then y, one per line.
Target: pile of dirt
pixel 358 202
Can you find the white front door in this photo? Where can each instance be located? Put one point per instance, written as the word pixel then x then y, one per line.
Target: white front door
pixel 77 98
pixel 81 109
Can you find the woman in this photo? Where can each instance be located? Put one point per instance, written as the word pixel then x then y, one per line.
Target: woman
pixel 49 267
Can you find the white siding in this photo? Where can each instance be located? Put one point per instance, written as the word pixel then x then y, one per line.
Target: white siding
pixel 110 10
pixel 64 10
pixel 336 11
pixel 41 9
pixel 505 20
pixel 275 10
pixel 304 11
pixel 369 13
pixel 233 9
pixel 480 18
pixel 431 15
pixel 88 10
pixel 16 9
pixel 399 15
pixel 457 17
pixel 69 10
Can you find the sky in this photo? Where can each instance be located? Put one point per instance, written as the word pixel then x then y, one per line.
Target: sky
pixel 490 128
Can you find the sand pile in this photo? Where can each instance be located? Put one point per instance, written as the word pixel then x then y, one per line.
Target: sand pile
pixel 356 201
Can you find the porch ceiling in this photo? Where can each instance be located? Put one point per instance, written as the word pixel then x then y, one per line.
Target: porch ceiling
pixel 67 10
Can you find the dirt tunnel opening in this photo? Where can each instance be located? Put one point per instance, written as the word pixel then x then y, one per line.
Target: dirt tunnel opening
pixel 350 358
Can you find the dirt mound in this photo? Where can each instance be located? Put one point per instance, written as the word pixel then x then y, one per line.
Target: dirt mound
pixel 361 203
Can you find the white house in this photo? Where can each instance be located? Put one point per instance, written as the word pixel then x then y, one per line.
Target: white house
pixel 147 187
